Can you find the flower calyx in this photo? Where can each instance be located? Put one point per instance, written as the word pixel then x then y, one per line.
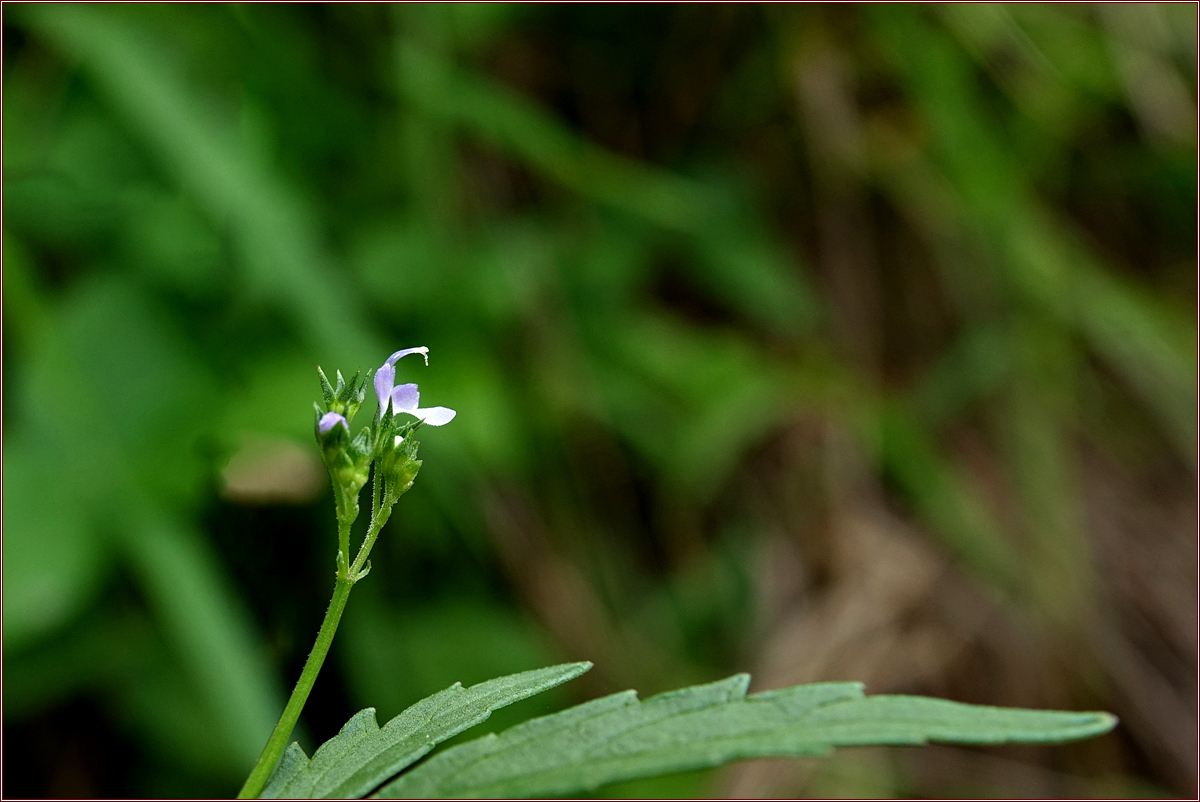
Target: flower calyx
pixel 345 397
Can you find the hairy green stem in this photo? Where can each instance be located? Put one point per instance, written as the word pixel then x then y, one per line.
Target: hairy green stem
pixel 377 522
pixel 375 492
pixel 346 577
pixel 291 712
pixel 344 520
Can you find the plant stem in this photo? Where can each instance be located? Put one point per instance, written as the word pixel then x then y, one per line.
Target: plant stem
pixel 347 576
pixel 344 522
pixel 377 523
pixel 291 713
pixel 375 492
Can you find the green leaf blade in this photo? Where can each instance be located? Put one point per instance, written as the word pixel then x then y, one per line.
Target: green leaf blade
pixel 915 720
pixel 617 738
pixel 363 755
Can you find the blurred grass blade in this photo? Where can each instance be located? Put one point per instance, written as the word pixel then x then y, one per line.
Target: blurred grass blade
pixel 186 589
pixel 54 561
pixel 1148 346
pixel 955 511
pixel 1046 264
pixel 25 306
pixel 272 227
pixel 619 738
pixel 974 367
pixel 737 260
pixel 363 755
pixel 486 108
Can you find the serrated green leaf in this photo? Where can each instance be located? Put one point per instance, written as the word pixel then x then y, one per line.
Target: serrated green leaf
pixel 617 738
pixel 363 755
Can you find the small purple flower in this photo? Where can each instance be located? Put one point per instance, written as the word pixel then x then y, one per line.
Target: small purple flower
pixel 405 397
pixel 329 420
pixel 385 377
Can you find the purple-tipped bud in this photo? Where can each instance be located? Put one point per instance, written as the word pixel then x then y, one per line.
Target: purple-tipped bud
pixel 329 420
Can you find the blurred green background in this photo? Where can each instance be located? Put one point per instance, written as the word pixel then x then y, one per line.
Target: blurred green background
pixel 823 342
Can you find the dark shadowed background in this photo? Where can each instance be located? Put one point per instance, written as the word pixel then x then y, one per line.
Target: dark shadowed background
pixel 821 342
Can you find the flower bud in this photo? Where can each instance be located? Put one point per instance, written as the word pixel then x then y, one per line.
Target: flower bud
pixel 348 461
pixel 332 432
pixel 398 465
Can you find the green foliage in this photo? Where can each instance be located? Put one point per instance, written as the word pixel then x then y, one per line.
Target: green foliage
pixel 363 755
pixel 699 280
pixel 618 738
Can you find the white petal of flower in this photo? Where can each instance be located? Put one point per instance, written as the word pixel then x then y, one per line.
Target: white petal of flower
pixel 435 416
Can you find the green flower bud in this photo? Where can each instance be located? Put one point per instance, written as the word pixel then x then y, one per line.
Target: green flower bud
pixel 398 465
pixel 345 397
